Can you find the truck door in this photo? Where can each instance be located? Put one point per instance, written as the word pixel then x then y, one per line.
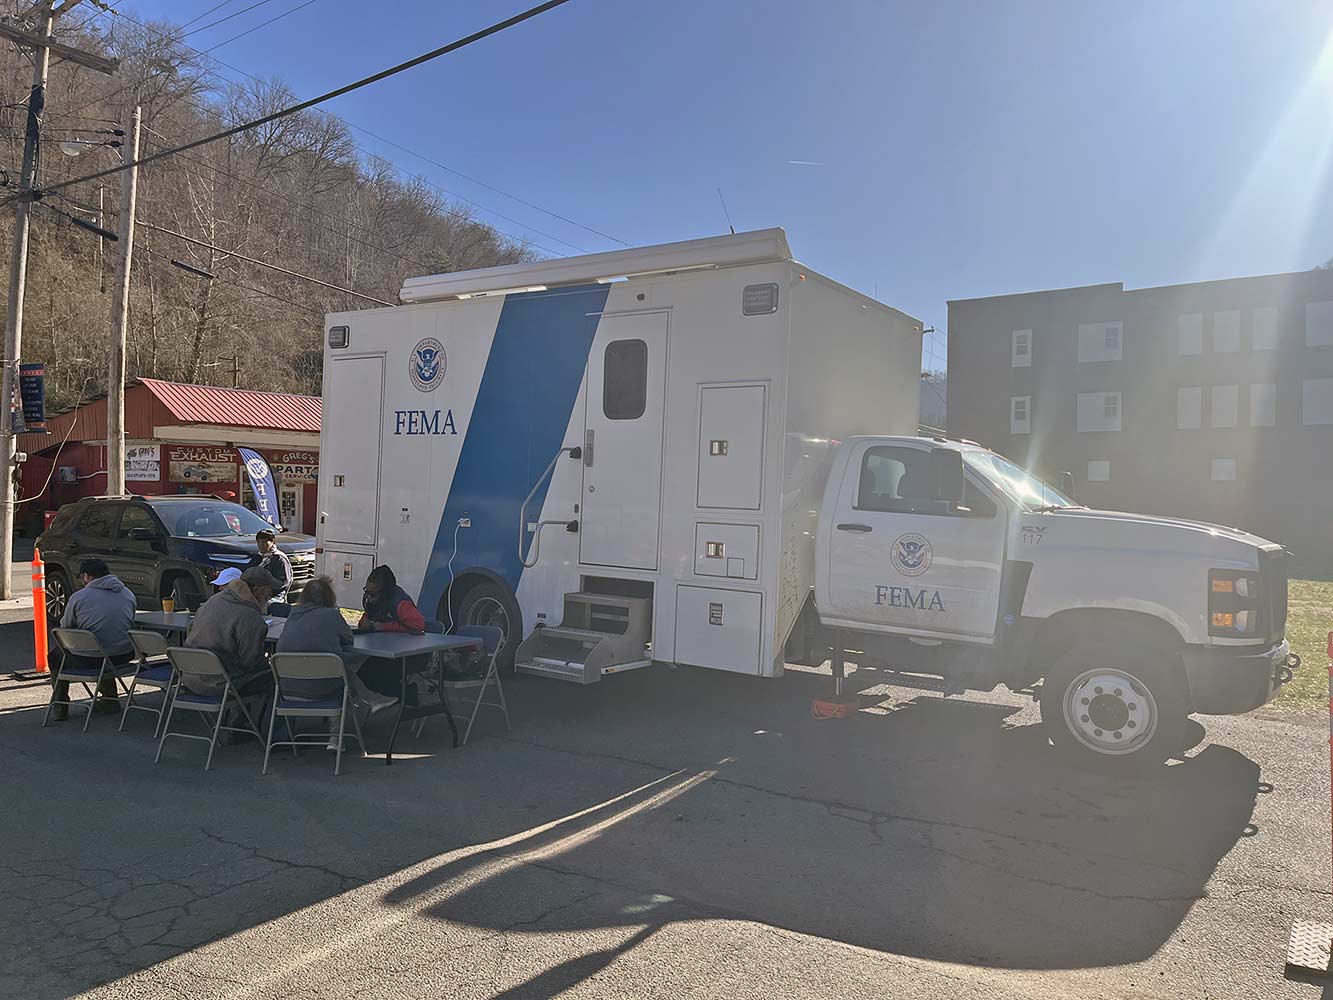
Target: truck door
pixel 137 551
pixel 902 561
pixel 622 446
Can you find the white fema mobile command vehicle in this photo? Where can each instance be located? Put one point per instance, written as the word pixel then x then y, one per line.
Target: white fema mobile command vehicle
pixel 702 453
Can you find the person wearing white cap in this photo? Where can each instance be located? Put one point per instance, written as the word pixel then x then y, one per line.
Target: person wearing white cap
pixel 229 575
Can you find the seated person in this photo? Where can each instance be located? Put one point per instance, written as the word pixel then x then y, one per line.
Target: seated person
pixel 274 560
pixel 389 609
pixel 229 575
pixel 232 625
pixel 315 625
pixel 105 607
pixel 387 606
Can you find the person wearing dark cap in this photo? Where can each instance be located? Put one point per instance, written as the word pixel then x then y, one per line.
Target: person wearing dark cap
pixel 105 607
pixel 273 560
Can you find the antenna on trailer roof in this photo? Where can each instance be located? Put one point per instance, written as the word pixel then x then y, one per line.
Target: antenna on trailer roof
pixel 725 212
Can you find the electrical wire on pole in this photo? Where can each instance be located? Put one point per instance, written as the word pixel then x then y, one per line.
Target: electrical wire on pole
pixel 425 57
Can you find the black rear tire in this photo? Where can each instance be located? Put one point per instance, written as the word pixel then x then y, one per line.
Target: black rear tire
pixel 185 591
pixel 1116 705
pixel 489 603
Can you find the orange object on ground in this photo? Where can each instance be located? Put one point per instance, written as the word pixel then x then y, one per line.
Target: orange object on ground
pixel 832 708
pixel 39 612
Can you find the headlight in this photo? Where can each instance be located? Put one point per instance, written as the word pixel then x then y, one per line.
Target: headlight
pixel 1233 603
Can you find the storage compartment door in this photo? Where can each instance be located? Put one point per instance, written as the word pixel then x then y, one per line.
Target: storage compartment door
pixel 719 628
pixel 731 446
pixel 350 455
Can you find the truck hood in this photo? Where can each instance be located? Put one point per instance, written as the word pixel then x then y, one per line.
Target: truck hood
pixel 1148 531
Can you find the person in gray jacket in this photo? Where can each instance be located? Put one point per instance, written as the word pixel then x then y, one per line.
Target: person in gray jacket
pixel 231 624
pixel 315 625
pixel 105 607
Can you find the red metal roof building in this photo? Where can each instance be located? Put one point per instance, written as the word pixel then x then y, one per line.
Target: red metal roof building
pixel 179 439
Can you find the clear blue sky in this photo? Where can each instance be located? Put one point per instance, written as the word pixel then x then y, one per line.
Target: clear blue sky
pixel 948 150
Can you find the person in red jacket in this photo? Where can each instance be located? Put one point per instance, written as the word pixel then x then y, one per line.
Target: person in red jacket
pixel 387 606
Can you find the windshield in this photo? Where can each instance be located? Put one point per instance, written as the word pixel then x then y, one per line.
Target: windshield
pixel 1018 483
pixel 212 519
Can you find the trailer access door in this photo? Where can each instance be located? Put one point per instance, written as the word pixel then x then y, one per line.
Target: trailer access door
pixel 350 458
pixel 622 445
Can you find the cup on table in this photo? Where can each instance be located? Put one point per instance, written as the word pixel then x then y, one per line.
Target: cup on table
pixel 168 604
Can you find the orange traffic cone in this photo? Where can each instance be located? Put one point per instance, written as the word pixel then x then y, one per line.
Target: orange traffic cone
pixel 39 612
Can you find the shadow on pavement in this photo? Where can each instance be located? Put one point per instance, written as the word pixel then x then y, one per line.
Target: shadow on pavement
pixel 924 827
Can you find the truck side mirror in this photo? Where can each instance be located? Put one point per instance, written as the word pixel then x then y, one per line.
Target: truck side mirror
pixel 1067 485
pixel 946 475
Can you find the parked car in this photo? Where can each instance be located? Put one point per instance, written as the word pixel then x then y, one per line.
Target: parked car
pixel 168 546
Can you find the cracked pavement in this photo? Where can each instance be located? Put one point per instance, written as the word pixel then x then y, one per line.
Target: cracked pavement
pixel 667 833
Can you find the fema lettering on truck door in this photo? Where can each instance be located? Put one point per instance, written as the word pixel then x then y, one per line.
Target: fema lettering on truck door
pixel 899 559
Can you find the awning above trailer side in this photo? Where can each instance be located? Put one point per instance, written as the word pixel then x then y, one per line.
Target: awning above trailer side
pixel 713 251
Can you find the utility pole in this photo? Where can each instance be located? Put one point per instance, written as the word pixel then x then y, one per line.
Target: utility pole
pixel 115 379
pixel 18 275
pixel 42 45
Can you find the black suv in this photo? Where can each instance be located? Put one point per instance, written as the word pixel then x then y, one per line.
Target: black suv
pixel 159 547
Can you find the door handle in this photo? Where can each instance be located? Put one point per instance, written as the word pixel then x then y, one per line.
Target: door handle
pixel 854 527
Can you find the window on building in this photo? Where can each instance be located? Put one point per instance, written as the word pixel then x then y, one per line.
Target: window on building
pixel 1099 411
pixel 1225 399
pixel 1223 470
pixel 1020 414
pixel 1264 334
pixel 1189 407
pixel 1021 349
pixel 1319 324
pixel 1226 331
pixel 1099 341
pixel 625 380
pixel 1189 333
pixel 1099 471
pixel 1263 405
pixel 1317 401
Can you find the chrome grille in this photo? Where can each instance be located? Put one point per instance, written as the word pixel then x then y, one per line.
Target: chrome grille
pixel 1273 581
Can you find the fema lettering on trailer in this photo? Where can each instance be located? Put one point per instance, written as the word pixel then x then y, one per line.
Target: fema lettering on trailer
pixel 417 422
pixel 906 597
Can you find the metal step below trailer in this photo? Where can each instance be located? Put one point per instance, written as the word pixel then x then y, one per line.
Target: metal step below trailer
pixel 599 634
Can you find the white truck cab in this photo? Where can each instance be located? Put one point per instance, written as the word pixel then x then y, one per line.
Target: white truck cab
pixel 944 558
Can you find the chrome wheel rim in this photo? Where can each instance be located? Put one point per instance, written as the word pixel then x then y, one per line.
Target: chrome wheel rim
pixel 1110 711
pixel 489 612
pixel 55 598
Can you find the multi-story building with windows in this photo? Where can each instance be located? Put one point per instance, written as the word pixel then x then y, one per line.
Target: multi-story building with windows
pixel 1211 401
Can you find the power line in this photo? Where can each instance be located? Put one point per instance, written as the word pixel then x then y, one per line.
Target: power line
pixel 261 263
pixel 265 24
pixel 384 74
pixel 214 24
pixel 200 17
pixel 390 142
pixel 250 288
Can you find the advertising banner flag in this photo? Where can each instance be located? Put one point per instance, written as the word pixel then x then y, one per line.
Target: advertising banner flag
pixel 261 483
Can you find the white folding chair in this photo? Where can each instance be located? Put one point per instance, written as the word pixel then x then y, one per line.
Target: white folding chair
pixel 491 639
pixel 288 667
pixel 204 664
pixel 153 669
pixel 82 643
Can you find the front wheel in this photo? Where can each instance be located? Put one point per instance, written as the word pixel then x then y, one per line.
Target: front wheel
pixel 1117 704
pixel 493 605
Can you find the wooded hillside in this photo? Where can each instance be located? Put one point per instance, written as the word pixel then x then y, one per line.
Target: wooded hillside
pixel 297 193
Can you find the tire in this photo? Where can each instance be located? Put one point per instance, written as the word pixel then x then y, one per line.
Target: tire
pixel 1116 704
pixel 491 604
pixel 186 593
pixel 57 596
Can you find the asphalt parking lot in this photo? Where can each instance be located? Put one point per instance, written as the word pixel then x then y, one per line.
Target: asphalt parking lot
pixel 664 833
